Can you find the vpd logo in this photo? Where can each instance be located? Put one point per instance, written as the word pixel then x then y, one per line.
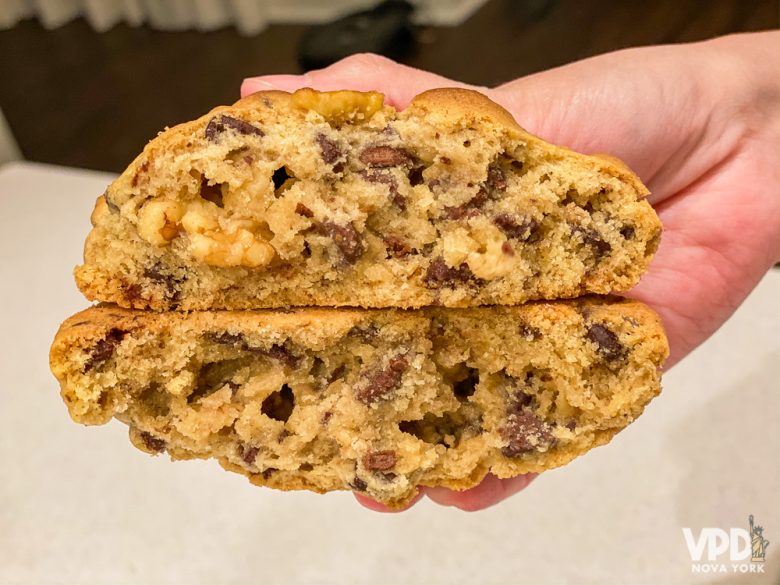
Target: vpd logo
pixel 746 549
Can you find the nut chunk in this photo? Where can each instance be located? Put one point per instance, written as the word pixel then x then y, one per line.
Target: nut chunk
pixel 340 107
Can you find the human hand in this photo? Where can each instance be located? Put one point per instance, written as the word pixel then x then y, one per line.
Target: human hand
pixel 699 123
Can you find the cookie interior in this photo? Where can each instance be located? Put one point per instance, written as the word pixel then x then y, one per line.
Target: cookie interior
pixel 373 401
pixel 336 199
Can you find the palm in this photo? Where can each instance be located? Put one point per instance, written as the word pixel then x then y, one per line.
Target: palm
pixel 678 116
pixel 720 220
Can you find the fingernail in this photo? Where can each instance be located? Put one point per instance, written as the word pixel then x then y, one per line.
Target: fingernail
pixel 258 84
pixel 284 82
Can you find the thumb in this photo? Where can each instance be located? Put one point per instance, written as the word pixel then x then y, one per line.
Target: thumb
pixel 361 72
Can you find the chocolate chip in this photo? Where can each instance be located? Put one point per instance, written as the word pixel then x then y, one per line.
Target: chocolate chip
pixel 471 208
pixel 525 432
pixel 284 355
pixel 104 349
pixel 439 274
pixel 380 383
pixel 396 247
pixel 523 228
pixel 571 424
pixel 218 124
pixel 153 443
pixel 592 238
pixel 301 209
pixel 358 484
pixel 326 416
pixel 282 435
pixel 211 193
pixel 248 454
pixel 329 149
pixel 528 332
pixel 226 338
pixel 384 156
pixel 170 283
pixel 385 178
pixel 278 352
pixel 267 473
pixel 607 343
pixel 132 293
pixel 627 232
pixel 346 237
pixel 445 160
pixel 280 404
pixel 496 180
pixel 518 400
pixel 365 333
pixel 379 460
pixel 460 212
pixel 520 393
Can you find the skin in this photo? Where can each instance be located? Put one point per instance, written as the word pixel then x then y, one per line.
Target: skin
pixel 699 123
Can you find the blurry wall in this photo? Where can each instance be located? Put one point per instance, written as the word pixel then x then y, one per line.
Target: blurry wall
pixel 77 97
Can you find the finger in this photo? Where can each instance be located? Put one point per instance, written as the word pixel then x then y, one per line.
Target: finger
pixel 378 507
pixel 362 72
pixel 491 491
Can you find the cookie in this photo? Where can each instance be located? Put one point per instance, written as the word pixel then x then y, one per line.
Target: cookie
pixel 336 199
pixel 375 401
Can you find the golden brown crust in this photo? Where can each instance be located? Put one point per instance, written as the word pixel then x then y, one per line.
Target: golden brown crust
pixel 473 107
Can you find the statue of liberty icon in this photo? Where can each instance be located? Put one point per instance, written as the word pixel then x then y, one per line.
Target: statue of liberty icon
pixel 758 543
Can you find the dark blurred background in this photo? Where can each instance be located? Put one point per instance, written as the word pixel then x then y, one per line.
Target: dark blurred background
pixel 73 96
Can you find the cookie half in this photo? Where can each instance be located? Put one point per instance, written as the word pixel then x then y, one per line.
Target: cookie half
pixel 376 401
pixel 336 199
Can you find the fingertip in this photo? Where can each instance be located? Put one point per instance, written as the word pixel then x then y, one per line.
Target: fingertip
pixel 367 502
pixel 252 85
pixel 489 492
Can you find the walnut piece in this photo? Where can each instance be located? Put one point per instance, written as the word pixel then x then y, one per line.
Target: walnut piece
pixel 158 221
pixel 224 247
pixel 339 107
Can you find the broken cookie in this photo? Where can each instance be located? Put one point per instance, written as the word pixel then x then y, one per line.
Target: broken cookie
pixel 336 199
pixel 379 401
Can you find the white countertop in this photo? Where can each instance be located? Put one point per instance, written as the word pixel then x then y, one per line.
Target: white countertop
pixel 80 504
